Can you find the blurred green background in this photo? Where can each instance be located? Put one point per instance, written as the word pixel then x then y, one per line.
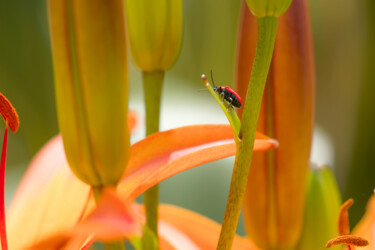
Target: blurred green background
pixel 345 106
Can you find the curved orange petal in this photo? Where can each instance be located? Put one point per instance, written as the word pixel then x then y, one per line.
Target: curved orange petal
pixel 366 227
pixel 179 227
pixel 165 154
pixel 49 199
pixel 111 220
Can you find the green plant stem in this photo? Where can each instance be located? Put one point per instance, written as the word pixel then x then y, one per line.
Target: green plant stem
pixel 263 55
pixel 119 245
pixel 152 83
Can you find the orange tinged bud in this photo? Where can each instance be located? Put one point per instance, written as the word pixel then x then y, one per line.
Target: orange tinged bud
pixel 90 67
pixel 274 201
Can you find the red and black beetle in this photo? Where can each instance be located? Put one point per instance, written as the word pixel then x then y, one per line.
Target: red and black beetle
pixel 229 95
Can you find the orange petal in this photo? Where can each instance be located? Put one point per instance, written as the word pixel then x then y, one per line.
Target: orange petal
pixel 178 228
pixel 47 190
pixel 49 199
pixel 366 227
pixel 111 220
pixel 165 154
pixel 181 228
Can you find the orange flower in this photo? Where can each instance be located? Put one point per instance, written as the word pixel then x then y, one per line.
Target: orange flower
pixel 51 200
pixel 274 201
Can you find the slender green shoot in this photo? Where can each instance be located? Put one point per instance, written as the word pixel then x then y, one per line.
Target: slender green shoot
pixel 263 55
pixel 229 112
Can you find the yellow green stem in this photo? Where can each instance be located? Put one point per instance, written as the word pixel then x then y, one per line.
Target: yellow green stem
pixel 152 83
pixel 263 55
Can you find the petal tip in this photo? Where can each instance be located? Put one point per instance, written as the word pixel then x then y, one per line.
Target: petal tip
pixel 275 143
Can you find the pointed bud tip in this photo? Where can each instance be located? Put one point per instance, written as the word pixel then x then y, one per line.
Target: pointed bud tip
pixel 275 143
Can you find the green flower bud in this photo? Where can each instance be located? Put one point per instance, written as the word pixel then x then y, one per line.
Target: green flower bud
pixel 268 8
pixel 91 82
pixel 321 210
pixel 155 32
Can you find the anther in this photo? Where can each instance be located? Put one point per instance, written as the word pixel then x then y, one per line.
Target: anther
pixel 9 113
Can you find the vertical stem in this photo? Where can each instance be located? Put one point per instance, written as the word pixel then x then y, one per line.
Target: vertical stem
pixel 263 55
pixel 118 245
pixel 152 83
pixel 3 231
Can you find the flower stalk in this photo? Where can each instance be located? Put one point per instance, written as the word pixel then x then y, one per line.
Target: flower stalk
pixel 152 83
pixel 265 45
pixel 155 35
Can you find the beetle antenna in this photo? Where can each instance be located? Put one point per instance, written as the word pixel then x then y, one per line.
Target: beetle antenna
pixel 212 79
pixel 202 89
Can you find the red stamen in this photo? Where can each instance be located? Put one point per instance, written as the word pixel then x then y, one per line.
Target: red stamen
pixel 3 234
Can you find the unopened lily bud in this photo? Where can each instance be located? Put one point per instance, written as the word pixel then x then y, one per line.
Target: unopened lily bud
pixel 155 32
pixel 90 67
pixel 286 114
pixel 321 209
pixel 268 8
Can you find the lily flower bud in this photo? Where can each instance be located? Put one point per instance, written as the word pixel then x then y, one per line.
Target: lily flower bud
pixel 275 195
pixel 90 67
pixel 268 8
pixel 321 209
pixel 155 32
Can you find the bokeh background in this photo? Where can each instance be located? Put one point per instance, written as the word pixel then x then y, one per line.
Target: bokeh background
pixel 345 104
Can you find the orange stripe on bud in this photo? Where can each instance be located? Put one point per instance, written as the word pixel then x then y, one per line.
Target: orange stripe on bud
pixel 9 113
pixel 343 222
pixel 349 240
